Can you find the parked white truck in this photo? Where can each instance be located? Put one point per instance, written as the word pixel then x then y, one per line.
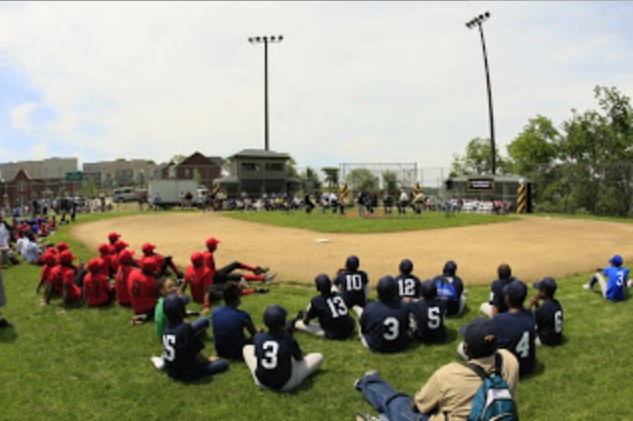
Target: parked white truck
pixel 169 193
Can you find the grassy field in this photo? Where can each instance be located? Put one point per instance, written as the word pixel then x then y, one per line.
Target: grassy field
pixel 91 364
pixel 328 222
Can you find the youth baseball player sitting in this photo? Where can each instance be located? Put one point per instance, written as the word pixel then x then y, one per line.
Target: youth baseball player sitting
pixel 497 303
pixel 614 288
pixel 449 393
pixel 428 315
pixel 182 350
pixel 548 313
pixel 229 323
pixel 409 285
pixel 384 323
pixel 330 309
pixel 275 360
pixel 353 284
pixel 515 328
pixel 450 288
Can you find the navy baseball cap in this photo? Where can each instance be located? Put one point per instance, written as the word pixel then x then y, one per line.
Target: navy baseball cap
pixel 428 288
pixel 352 263
pixel 386 287
pixel 275 317
pixel 323 283
pixel 517 290
pixel 616 260
pixel 480 337
pixel 406 266
pixel 450 268
pixel 174 307
pixel 546 284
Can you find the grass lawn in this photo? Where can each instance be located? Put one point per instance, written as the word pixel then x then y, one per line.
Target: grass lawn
pixel 328 222
pixel 91 364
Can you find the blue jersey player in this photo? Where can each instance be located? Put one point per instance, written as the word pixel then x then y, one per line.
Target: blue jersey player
pixel 408 285
pixel 548 313
pixel 334 319
pixel 515 328
pixel 614 287
pixel 384 323
pixel 353 284
pixel 276 360
pixel 450 288
pixel 428 315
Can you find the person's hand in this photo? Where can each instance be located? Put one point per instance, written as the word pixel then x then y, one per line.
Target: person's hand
pixel 204 311
pixel 213 359
pixel 533 300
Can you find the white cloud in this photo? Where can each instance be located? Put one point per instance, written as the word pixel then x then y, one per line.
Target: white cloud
pixel 351 82
pixel 20 116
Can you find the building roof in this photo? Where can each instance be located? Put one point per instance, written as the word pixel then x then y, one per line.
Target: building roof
pixel 502 178
pixel 259 153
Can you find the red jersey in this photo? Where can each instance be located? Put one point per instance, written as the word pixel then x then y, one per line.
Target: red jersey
pixel 114 263
pixel 106 260
pixel 199 280
pixel 46 277
pixel 121 284
pixel 209 261
pixel 157 258
pixel 96 289
pixel 143 291
pixel 63 277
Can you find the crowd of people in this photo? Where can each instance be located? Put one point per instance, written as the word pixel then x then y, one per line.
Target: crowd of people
pixel 499 348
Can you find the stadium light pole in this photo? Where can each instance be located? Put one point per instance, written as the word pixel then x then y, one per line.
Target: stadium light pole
pixel 476 22
pixel 266 40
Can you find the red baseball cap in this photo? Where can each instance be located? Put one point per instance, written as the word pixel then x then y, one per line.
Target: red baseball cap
pixel 125 256
pixel 120 245
pixel 148 248
pixel 197 258
pixel 66 257
pixel 94 265
pixel 104 249
pixel 212 241
pixel 113 236
pixel 61 246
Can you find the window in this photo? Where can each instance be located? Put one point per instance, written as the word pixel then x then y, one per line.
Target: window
pixel 250 166
pixel 274 166
pixel 21 186
pixel 187 173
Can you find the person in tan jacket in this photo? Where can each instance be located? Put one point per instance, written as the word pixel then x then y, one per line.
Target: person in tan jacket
pixel 449 392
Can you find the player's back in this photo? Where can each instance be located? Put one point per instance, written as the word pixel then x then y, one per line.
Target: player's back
pixel 549 322
pixel 408 286
pixel 516 332
pixel 352 287
pixel 429 318
pixel 616 282
pixel 385 325
pixel 333 316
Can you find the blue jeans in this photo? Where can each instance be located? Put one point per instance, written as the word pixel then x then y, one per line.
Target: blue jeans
pixel 215 367
pixel 396 406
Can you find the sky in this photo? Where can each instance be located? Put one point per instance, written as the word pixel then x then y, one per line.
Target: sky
pixel 351 82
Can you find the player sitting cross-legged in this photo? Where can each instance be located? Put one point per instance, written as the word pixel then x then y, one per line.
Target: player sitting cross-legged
pixel 428 315
pixel 330 309
pixel 409 285
pixel 275 360
pixel 548 313
pixel 384 323
pixel 450 288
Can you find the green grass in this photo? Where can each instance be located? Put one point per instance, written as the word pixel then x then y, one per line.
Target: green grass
pixel 91 363
pixel 328 222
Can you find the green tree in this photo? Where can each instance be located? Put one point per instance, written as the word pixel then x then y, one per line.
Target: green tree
pixel 362 179
pixel 477 159
pixel 390 182
pixel 331 177
pixel 178 158
pixel 291 168
pixel 197 176
pixel 310 180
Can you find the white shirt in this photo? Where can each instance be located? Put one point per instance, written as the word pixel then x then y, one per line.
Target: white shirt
pixel 31 252
pixel 4 236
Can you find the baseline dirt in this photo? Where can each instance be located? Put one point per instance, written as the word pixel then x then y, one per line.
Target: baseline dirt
pixel 533 246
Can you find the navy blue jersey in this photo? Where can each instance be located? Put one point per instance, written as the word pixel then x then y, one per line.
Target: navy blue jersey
pixel 228 331
pixel 180 347
pixel 408 286
pixel 449 289
pixel 549 322
pixel 352 287
pixel 516 332
pixel 385 325
pixel 274 355
pixel 429 319
pixel 496 294
pixel 333 316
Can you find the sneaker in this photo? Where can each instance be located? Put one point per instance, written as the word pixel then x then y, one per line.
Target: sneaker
pixel 259 270
pixel 190 313
pixel 262 290
pixel 587 287
pixel 269 277
pixel 158 362
pixel 361 416
pixel 367 373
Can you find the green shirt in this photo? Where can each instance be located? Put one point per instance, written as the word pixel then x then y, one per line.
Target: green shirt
pixel 160 319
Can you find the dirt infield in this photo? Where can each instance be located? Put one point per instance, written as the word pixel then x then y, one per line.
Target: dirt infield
pixel 533 246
